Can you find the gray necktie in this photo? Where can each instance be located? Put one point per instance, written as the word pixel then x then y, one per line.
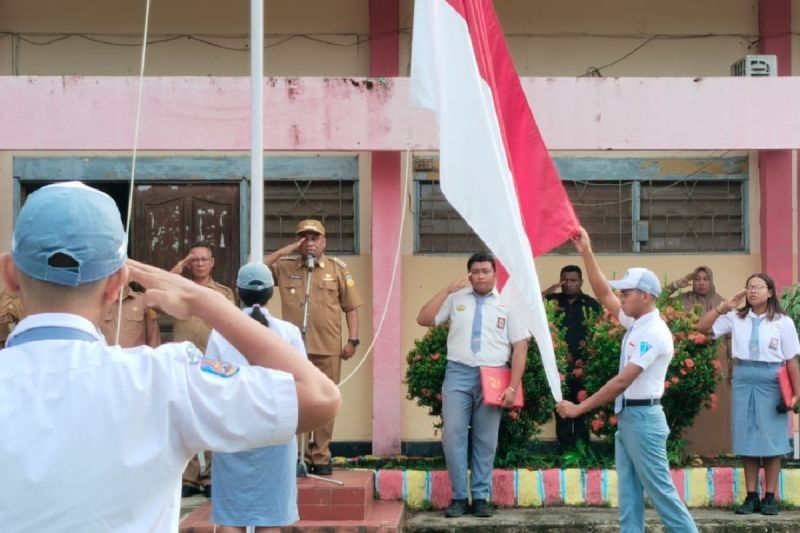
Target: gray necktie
pixel 755 346
pixel 477 323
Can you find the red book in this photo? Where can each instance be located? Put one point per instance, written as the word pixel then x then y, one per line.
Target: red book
pixel 494 381
pixel 785 385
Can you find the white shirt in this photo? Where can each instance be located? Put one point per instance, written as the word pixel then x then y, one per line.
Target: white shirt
pixel 498 330
pixel 95 437
pixel 777 339
pixel 647 344
pixel 220 349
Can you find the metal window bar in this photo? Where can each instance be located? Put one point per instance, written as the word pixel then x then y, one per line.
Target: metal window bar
pixel 333 202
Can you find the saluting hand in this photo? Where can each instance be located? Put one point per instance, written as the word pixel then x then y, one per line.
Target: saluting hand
pixel 736 300
pixel 171 292
pixel 685 281
pixel 458 284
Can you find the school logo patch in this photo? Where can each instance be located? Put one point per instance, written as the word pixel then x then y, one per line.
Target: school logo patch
pixel 501 322
pixel 218 368
pixel 644 347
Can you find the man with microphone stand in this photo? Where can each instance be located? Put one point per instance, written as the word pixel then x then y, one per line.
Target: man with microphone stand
pixel 315 290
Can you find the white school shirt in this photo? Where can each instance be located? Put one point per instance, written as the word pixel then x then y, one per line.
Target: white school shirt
pixel 498 330
pixel 647 344
pixel 777 338
pixel 220 349
pixel 95 437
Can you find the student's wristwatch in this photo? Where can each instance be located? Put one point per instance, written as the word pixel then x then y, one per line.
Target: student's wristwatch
pixel 354 342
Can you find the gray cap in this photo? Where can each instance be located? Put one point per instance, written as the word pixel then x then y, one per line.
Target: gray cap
pixel 254 277
pixel 74 220
pixel 640 279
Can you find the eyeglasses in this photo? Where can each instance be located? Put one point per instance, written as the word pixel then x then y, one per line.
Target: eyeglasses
pixel 201 259
pixel 755 288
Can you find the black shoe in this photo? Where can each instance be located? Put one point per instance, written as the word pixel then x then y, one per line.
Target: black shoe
pixel 207 491
pixel 189 490
pixel 323 470
pixel 302 469
pixel 482 508
pixel 456 508
pixel 769 507
pixel 750 506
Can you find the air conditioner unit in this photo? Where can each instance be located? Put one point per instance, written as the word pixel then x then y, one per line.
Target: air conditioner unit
pixel 756 66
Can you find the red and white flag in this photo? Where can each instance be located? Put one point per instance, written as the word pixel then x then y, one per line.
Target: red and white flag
pixel 494 167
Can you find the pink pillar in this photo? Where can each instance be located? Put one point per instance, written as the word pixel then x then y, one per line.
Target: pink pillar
pixel 775 166
pixel 387 376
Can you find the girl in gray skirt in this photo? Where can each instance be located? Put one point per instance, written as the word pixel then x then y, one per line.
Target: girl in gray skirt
pixel 763 340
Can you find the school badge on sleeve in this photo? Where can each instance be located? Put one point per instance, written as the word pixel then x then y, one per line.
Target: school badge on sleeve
pixel 218 368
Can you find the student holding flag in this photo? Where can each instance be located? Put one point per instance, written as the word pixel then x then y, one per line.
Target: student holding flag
pixel 641 439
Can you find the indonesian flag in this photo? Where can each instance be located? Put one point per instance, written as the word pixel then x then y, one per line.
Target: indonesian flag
pixel 494 167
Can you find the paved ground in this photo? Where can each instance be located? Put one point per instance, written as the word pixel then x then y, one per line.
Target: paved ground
pixel 576 519
pixel 591 520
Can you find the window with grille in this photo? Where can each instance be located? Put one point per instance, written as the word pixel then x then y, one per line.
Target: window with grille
pixel 331 201
pixel 632 205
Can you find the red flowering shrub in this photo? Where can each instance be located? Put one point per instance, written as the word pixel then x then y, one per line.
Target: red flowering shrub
pixel 691 378
pixel 425 374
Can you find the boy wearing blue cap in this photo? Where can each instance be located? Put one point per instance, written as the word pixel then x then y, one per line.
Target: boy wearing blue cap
pixel 95 437
pixel 641 441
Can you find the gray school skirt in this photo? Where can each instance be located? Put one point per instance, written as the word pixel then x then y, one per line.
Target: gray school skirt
pixel 758 429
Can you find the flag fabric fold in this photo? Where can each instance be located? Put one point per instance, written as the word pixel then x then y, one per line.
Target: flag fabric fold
pixel 493 164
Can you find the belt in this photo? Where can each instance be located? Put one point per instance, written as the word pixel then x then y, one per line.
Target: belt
pixel 640 403
pixel 749 362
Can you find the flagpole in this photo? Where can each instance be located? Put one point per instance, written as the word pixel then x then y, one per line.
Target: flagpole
pixel 256 130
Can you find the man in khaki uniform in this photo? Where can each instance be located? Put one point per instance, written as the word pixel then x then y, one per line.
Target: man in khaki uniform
pixel 10 315
pixel 139 323
pixel 332 292
pixel 200 263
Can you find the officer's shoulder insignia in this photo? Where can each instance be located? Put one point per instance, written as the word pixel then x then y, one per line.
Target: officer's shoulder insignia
pixel 218 368
pixel 338 262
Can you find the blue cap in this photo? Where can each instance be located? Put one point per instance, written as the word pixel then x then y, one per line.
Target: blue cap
pixel 640 279
pixel 254 277
pixel 74 220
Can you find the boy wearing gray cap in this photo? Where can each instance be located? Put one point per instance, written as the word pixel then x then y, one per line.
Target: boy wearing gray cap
pixel 641 441
pixel 95 437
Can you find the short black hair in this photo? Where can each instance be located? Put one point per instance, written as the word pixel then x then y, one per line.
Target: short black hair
pixel 481 257
pixel 202 244
pixel 573 268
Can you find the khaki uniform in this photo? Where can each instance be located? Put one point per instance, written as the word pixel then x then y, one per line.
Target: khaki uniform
pixel 10 315
pixel 332 293
pixel 139 323
pixel 197 332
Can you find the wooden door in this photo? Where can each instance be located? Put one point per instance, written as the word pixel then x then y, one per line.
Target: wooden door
pixel 168 219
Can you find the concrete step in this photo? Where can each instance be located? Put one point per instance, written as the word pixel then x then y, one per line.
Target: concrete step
pixel 594 520
pixel 383 517
pixel 321 500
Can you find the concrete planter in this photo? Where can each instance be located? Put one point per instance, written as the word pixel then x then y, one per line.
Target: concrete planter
pixel 699 487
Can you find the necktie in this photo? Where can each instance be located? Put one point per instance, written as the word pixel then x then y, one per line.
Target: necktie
pixel 622 362
pixel 755 347
pixel 477 322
